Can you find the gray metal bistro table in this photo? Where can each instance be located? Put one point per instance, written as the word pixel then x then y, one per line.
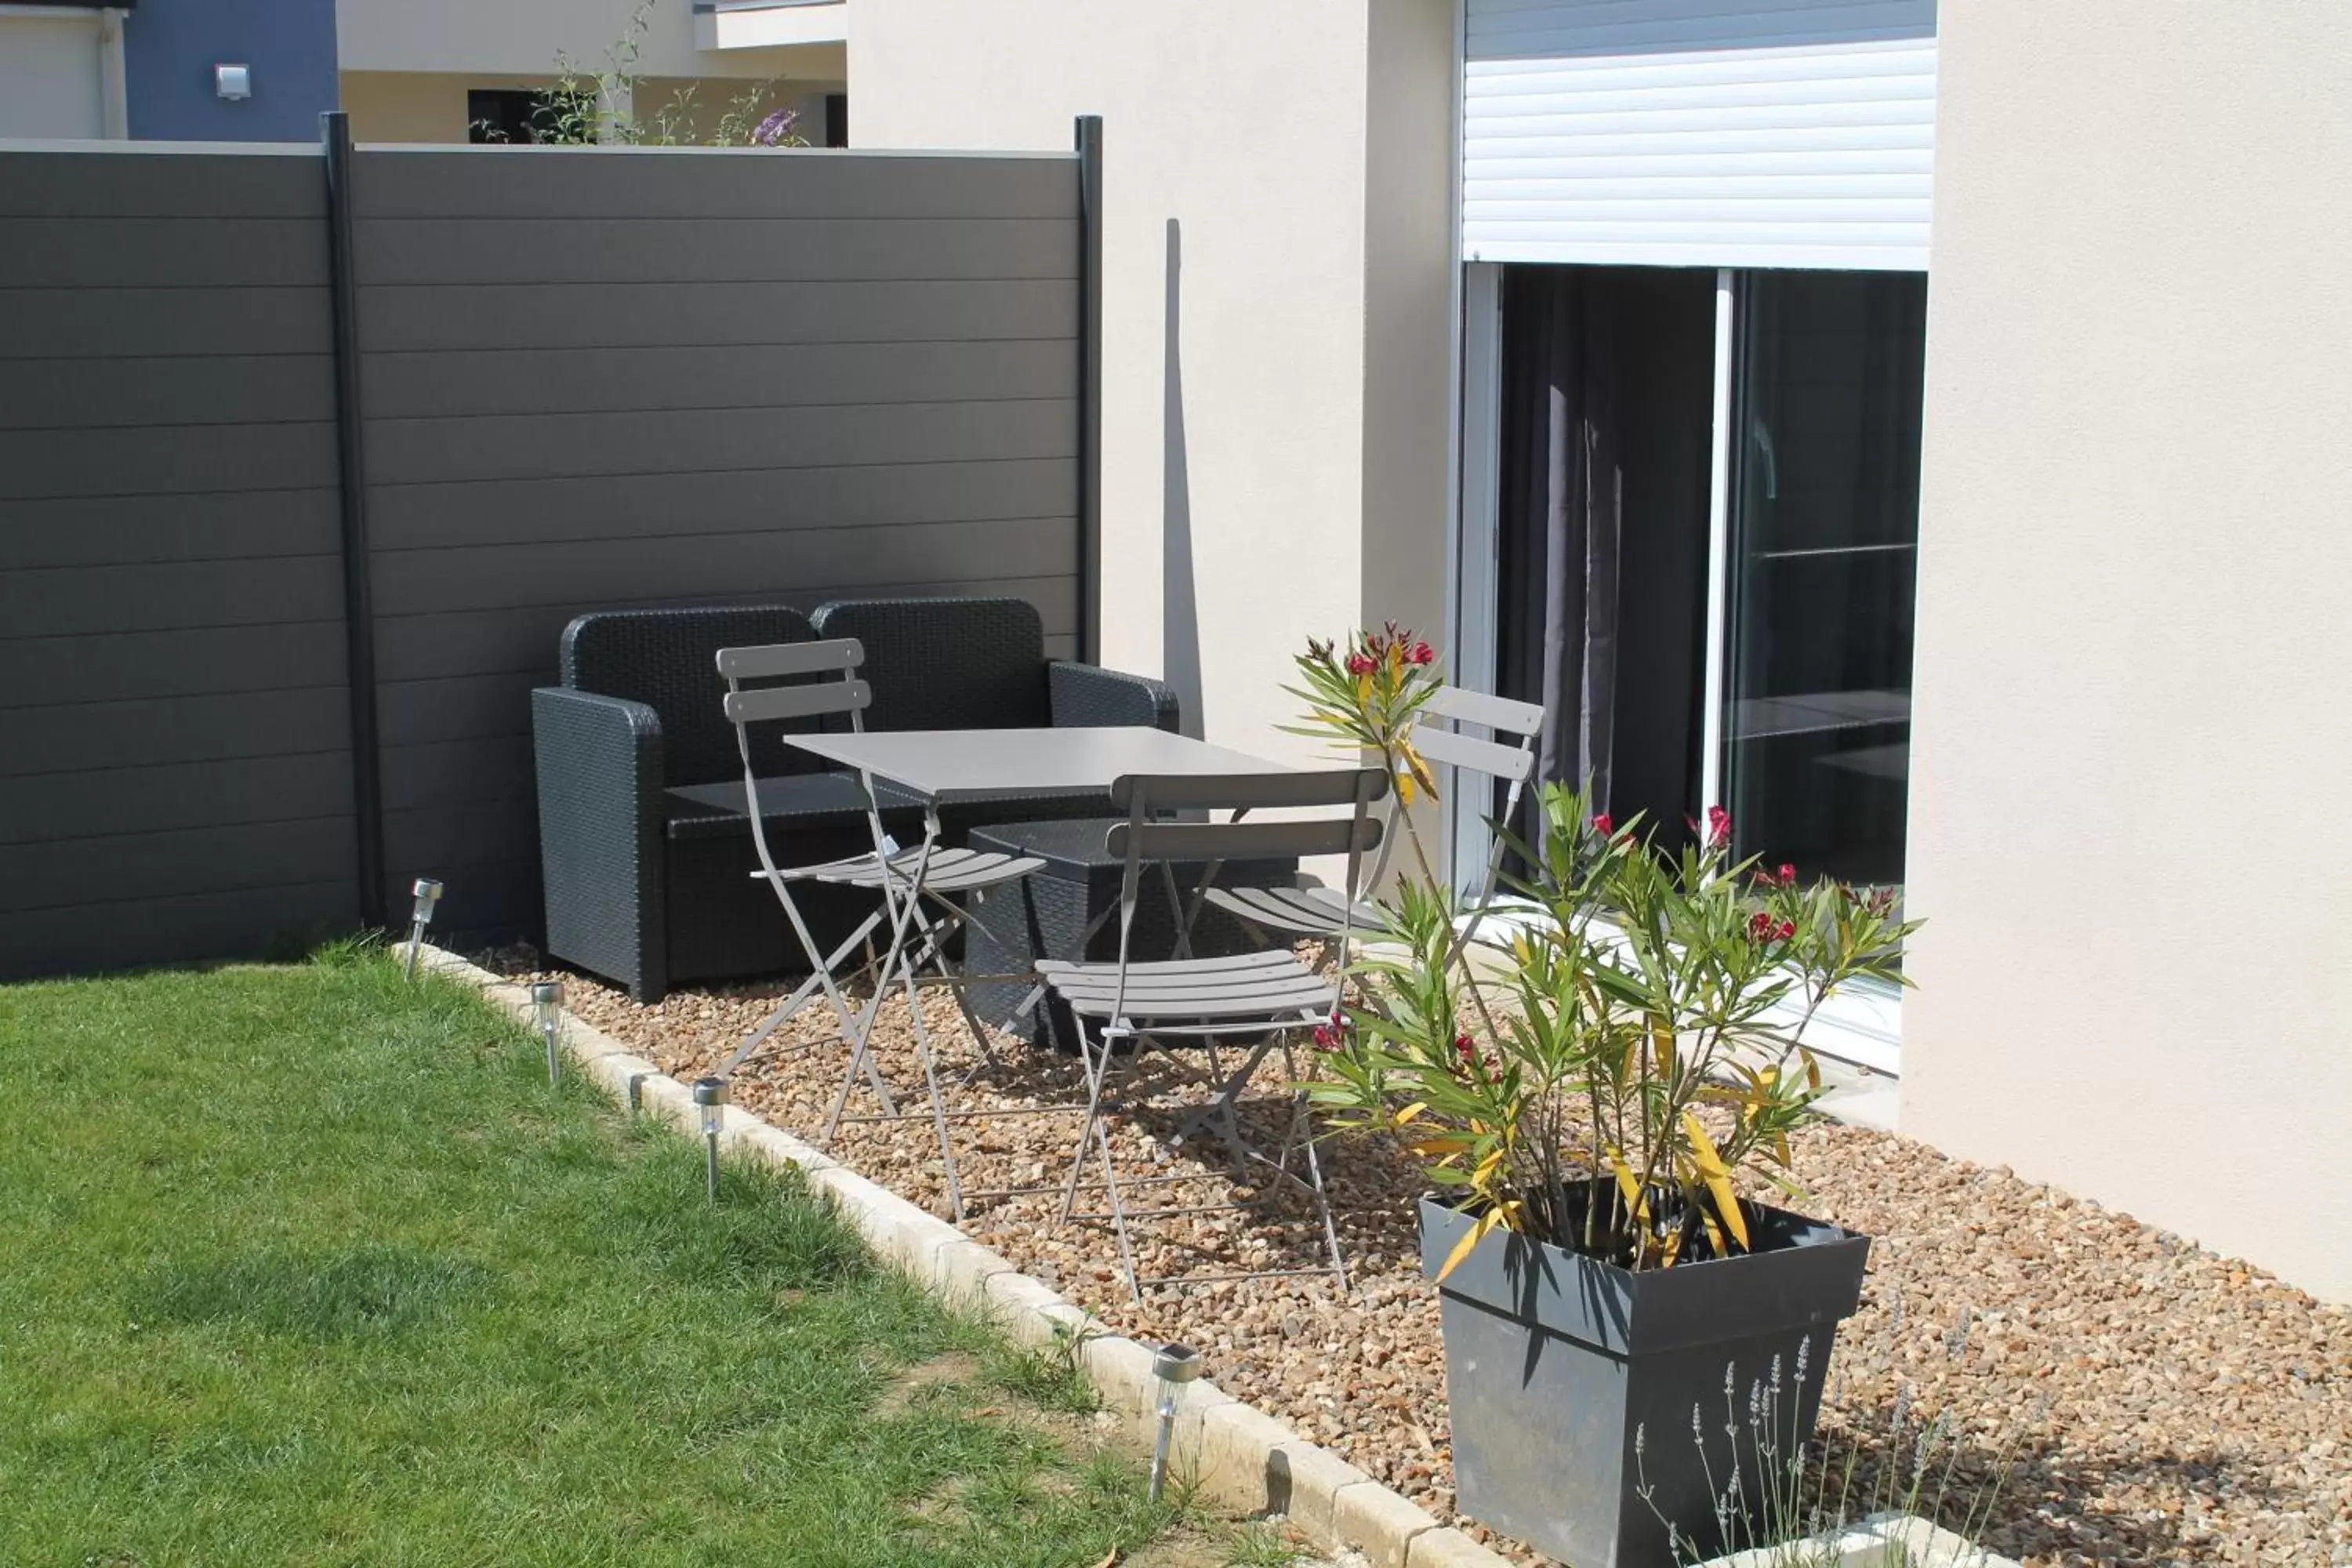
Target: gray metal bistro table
pixel 945 767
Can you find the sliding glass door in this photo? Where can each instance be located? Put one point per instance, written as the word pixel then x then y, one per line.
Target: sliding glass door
pixel 1823 488
pixel 1702 493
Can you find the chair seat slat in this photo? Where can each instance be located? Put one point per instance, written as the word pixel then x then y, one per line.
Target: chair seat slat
pixel 778 660
pixel 766 702
pixel 1480 708
pixel 1512 763
pixel 1307 912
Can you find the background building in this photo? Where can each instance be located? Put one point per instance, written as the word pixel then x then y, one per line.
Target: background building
pixel 437 70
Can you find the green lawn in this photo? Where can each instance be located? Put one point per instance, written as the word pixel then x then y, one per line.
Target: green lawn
pixel 308 1266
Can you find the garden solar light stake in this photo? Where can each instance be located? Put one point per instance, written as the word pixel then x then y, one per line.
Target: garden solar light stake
pixel 710 1094
pixel 428 893
pixel 1174 1366
pixel 546 1006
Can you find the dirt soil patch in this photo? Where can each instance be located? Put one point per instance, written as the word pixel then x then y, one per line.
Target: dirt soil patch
pixel 2160 1404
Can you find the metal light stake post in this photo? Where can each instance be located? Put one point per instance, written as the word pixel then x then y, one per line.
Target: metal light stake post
pixel 711 1095
pixel 1174 1366
pixel 546 1006
pixel 428 893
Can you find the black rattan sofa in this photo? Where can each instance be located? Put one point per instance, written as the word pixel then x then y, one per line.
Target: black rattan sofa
pixel 644 851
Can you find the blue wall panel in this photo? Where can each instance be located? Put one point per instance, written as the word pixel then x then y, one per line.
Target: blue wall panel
pixel 169 47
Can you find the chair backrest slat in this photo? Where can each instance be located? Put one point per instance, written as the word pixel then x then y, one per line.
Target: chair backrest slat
pixel 1244 840
pixel 766 703
pixel 1478 707
pixel 1512 763
pixel 778 660
pixel 1238 792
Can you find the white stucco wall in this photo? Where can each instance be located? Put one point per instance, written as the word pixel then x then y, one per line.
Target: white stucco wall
pixel 2129 832
pixel 49 76
pixel 1255 488
pixel 498 36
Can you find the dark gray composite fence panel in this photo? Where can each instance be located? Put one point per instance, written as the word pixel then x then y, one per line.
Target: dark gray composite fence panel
pixel 174 766
pixel 595 378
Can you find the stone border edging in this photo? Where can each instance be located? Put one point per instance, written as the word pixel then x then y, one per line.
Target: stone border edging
pixel 1242 1458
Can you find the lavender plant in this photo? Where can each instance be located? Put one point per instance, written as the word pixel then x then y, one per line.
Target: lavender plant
pixel 1793 1502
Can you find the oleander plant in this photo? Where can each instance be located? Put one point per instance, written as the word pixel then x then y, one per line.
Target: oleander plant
pixel 1604 1058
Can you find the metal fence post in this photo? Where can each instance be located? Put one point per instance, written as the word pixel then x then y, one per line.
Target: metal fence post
pixel 359 598
pixel 1090 366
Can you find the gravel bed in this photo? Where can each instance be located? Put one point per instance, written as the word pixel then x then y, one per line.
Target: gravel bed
pixel 2152 1402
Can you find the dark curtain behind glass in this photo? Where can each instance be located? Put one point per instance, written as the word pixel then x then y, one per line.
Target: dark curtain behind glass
pixel 1561 517
pixel 1608 411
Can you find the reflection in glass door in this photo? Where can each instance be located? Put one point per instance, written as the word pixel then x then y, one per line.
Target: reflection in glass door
pixel 1824 536
pixel 1763 472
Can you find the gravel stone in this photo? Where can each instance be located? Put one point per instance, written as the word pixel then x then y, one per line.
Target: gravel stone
pixel 2160 1404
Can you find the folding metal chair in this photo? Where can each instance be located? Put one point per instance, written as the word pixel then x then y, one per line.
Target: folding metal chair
pixel 906 878
pixel 1315 912
pixel 1255 1001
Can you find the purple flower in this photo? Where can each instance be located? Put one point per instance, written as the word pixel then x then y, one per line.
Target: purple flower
pixel 776 127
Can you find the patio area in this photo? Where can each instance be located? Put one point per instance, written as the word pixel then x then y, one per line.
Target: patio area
pixel 697 566
pixel 2160 1404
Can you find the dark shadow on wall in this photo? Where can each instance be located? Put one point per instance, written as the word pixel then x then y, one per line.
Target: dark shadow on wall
pixel 1180 610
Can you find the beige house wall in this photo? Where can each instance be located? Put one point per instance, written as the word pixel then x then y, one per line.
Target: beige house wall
pixel 430 106
pixel 510 36
pixel 2128 831
pixel 49 84
pixel 1278 267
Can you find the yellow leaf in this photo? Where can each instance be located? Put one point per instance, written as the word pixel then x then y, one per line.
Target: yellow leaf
pixel 1470 1239
pixel 1629 1186
pixel 1662 1040
pixel 1717 1176
pixel 1812 1071
pixel 1674 1246
pixel 1364 688
pixel 1404 788
pixel 1410 1111
pixel 1448 1144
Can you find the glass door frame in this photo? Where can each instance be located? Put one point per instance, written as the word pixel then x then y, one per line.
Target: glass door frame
pixel 1863 1027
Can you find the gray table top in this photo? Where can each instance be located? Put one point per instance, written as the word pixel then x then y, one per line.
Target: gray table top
pixel 948 765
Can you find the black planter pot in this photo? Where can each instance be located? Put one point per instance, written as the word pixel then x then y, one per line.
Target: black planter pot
pixel 1556 1363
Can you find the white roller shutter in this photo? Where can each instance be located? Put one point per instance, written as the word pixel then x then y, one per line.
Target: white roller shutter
pixel 1700 133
